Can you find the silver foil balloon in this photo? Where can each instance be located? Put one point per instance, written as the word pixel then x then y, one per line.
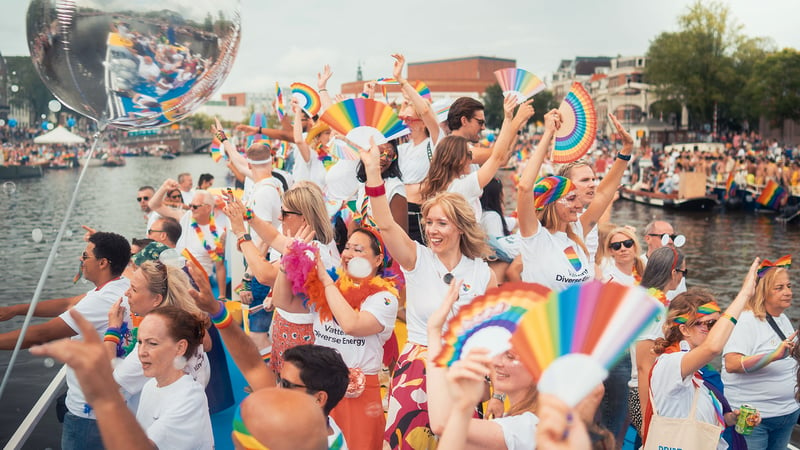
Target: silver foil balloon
pixel 133 64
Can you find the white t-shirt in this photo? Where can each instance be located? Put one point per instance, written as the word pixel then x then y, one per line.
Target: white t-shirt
pixel 519 432
pixel 650 333
pixel 393 187
pixel 363 352
pixel 130 377
pixel 264 199
pixel 673 395
pixel 190 241
pixel 470 188
pixel 492 223
pixel 176 416
pixel 187 196
pixel 94 308
pixel 612 273
pixel 152 216
pixel 771 389
pixel 414 161
pixel 313 170
pixel 426 289
pixel 341 183
pixel 554 260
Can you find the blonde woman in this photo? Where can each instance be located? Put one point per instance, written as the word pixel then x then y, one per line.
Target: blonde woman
pixel 622 263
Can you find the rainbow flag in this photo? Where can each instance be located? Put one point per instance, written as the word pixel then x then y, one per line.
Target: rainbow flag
pixel 280 107
pixel 730 186
pixel 573 257
pixel 771 195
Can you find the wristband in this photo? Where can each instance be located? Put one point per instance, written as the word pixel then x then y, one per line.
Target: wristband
pixel 365 95
pixel 241 240
pixel 323 90
pixel 375 191
pixel 113 334
pixel 220 135
pixel 259 130
pixel 222 319
pixel 623 157
pixel 499 396
pixel 729 317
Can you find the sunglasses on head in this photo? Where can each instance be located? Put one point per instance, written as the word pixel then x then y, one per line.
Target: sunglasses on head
pixel 628 243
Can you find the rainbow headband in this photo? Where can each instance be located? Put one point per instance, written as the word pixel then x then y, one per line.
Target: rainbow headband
pixel 704 310
pixel 549 189
pixel 784 262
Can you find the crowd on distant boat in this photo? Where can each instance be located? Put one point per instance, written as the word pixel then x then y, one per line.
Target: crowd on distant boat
pixel 353 267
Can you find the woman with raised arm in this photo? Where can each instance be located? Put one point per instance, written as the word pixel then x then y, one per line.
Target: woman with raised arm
pixel 553 233
pixel 303 215
pixel 756 365
pixel 416 154
pixel 695 333
pixel 457 246
pixel 451 168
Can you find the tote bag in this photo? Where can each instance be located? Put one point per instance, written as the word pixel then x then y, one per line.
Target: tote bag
pixel 685 433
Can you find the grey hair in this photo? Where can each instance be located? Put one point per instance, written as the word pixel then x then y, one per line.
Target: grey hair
pixel 660 264
pixel 208 198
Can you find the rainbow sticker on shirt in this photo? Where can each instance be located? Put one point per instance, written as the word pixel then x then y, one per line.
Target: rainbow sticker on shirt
pixel 465 287
pixel 573 258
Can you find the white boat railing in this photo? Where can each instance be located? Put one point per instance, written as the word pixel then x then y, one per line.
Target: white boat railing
pixel 37 411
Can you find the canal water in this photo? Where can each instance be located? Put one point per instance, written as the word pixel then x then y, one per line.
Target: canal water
pixel 720 246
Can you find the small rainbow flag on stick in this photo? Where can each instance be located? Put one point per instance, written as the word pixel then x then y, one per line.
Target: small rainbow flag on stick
pixel 730 186
pixel 280 107
pixel 772 195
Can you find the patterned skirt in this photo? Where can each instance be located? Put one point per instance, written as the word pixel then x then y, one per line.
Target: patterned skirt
pixel 407 424
pixel 285 335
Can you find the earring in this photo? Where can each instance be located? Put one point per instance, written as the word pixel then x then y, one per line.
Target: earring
pixel 179 362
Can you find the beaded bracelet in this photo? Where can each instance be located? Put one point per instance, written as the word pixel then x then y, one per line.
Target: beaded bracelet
pixel 222 319
pixel 623 157
pixel 113 334
pixel 375 191
pixel 248 214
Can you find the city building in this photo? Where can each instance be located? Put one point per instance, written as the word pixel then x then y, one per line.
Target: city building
pixel 455 77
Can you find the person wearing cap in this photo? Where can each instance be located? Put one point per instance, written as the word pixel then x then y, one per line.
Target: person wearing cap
pixel 553 249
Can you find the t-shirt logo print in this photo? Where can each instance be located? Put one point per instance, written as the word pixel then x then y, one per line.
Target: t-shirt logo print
pixel 573 258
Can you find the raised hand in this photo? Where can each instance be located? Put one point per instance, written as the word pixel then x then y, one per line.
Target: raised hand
pixel 524 113
pixel 627 140
pixel 467 377
pixel 116 314
pixel 399 62
pixel 323 77
pixel 203 296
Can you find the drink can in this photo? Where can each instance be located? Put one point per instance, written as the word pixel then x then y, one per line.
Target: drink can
pixel 747 420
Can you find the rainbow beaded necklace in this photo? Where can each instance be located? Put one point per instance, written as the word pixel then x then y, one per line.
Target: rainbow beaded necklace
pixel 216 251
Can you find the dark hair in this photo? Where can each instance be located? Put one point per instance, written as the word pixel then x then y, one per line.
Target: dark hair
pixel 172 192
pixel 182 324
pixel 374 244
pixel 203 178
pixel 141 243
pixel 659 267
pixel 321 369
pixel 145 187
pixel 492 200
pixel 462 107
pixel 172 228
pixel 112 247
pixel 448 164
pixel 392 171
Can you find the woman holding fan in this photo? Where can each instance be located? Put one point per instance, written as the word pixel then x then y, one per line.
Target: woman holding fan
pixel 757 368
pixel 553 233
pixel 457 246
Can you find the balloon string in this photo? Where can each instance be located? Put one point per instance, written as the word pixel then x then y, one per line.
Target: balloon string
pixel 98 138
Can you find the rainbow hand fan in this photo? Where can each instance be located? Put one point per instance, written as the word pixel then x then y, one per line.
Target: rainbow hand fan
pixel 489 320
pixel 578 127
pixel 258 120
pixel 595 319
pixel 216 150
pixel 387 81
pixel 280 107
pixel 307 97
pixel 423 90
pixel 519 82
pixel 360 118
pixel 343 150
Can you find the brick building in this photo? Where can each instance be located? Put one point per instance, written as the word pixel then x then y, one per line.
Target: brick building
pixel 456 77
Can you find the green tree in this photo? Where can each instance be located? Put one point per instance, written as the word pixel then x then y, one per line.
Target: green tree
pixel 775 86
pixel 703 63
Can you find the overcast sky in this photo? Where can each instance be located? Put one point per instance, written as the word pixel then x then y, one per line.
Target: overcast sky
pixel 290 40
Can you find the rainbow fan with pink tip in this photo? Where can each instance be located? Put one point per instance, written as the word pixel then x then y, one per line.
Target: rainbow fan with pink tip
pixel 422 89
pixel 307 97
pixel 519 82
pixel 360 119
pixel 489 320
pixel 578 128
pixel 342 150
pixel 258 120
pixel 594 319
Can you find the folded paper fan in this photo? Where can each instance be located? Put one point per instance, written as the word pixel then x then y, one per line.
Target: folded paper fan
pixel 442 108
pixel 489 320
pixel 258 120
pixel 572 377
pixel 578 127
pixel 387 81
pixel 216 150
pixel 422 89
pixel 595 319
pixel 307 97
pixel 519 82
pixel 359 119
pixel 343 150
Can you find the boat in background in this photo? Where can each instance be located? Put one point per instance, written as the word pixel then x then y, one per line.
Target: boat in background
pixel 17 172
pixel 691 195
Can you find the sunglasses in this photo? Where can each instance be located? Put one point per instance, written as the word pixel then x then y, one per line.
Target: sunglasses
pixel 139 199
pixel 708 324
pixel 284 213
pixel 151 230
pixel 85 256
pixel 175 197
pixel 628 243
pixel 684 272
pixel 196 206
pixel 286 384
pixel 677 239
pixel 481 122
